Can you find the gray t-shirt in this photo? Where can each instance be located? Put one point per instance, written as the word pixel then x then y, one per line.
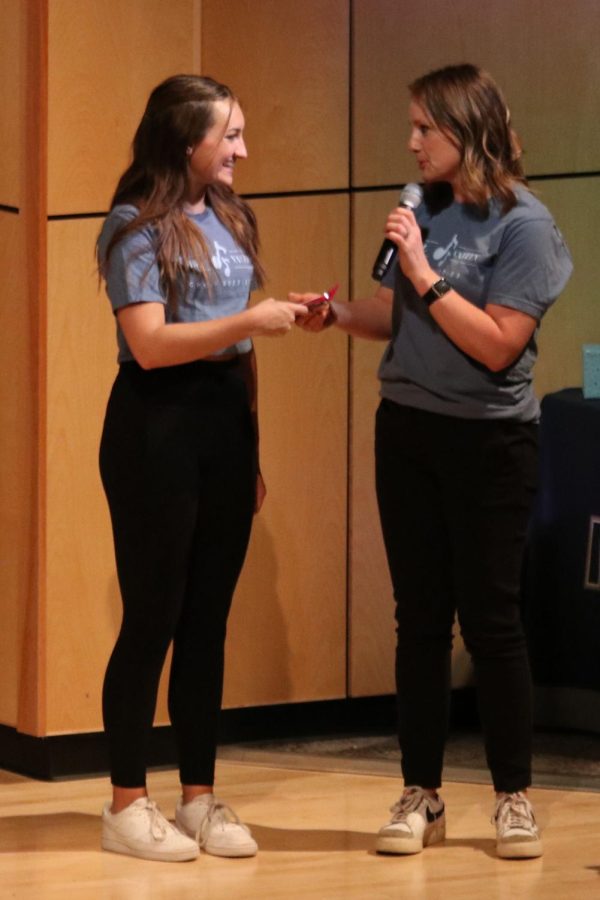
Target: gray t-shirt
pixel 132 275
pixel 518 260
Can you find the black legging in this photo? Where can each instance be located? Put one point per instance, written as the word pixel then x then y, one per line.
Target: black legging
pixel 177 460
pixel 454 499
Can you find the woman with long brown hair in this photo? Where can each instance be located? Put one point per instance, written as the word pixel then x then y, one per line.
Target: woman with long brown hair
pixel 479 263
pixel 179 451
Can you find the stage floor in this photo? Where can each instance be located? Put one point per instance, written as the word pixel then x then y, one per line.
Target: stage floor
pixel 315 830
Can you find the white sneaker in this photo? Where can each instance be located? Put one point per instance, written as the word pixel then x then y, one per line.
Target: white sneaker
pixel 517 835
pixel 215 826
pixel 141 830
pixel 418 819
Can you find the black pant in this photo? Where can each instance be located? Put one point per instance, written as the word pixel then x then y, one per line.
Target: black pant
pixel 178 465
pixel 454 498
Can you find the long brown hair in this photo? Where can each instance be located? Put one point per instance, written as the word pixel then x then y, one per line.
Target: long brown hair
pixel 178 115
pixel 466 104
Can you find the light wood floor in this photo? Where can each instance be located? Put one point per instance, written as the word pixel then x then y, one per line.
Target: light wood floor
pixel 315 830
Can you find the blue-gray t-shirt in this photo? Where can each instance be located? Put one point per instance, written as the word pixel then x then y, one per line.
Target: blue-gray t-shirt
pixel 518 260
pixel 133 276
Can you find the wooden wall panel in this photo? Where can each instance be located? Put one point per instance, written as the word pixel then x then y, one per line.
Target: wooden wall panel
pixel 83 602
pixel 575 318
pixel 289 64
pixel 12 100
pixel 16 460
pixel 30 379
pixel 542 53
pixel 105 57
pixel 372 627
pixel 371 603
pixel 287 637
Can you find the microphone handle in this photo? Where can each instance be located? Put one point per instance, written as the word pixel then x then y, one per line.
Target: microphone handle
pixel 384 260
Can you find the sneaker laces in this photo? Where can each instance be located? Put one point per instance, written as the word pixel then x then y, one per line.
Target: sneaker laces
pixel 159 827
pixel 217 813
pixel 514 811
pixel 409 802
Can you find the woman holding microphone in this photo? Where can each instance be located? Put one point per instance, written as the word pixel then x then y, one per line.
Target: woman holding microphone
pixel 479 262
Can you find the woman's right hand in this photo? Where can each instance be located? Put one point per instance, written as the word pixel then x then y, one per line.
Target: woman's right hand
pixel 275 317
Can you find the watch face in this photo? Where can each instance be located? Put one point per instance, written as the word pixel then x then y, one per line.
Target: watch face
pixel 441 287
pixel 437 290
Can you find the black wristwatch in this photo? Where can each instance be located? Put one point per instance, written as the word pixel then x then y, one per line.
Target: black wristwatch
pixel 436 291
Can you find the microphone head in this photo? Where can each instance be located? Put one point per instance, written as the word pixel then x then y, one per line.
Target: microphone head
pixel 411 196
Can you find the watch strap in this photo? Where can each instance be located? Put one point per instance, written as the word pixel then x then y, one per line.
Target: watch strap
pixel 437 290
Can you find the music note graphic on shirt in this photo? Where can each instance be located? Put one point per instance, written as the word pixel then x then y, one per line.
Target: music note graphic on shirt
pixel 441 252
pixel 220 260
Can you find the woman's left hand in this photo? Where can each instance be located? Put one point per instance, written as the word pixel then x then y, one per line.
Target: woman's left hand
pixel 261 493
pixel 402 228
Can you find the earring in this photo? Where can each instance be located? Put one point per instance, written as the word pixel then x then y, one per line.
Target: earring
pixel 189 151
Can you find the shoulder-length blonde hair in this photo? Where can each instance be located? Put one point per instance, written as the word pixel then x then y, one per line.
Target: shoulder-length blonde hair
pixel 178 115
pixel 465 103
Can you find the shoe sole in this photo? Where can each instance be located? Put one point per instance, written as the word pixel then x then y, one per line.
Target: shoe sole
pixel 401 846
pixel 237 853
pixel 519 849
pixel 116 846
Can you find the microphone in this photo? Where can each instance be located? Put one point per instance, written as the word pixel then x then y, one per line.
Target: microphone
pixel 410 198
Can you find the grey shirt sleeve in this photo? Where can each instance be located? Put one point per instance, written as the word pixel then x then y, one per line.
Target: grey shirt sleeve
pixel 131 272
pixel 532 267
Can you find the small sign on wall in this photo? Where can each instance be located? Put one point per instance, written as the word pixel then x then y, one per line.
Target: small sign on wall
pixel 591 371
pixel 592 563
